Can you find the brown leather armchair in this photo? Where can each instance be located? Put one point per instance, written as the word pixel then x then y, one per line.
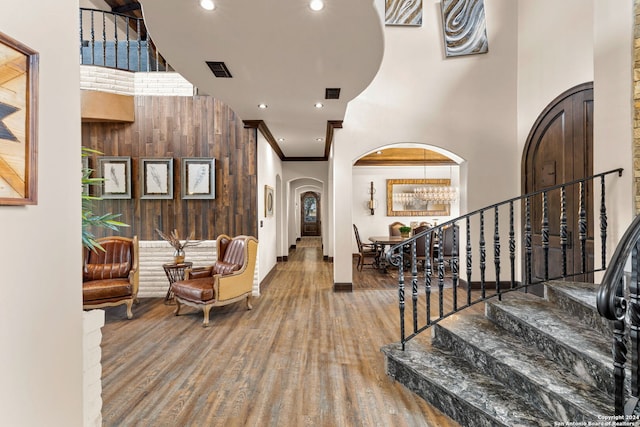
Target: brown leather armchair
pixel 110 277
pixel 229 280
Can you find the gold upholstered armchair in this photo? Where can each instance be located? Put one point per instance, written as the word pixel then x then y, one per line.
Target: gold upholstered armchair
pixel 110 277
pixel 229 280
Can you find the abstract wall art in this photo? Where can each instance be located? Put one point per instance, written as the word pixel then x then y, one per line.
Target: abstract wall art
pixel 403 12
pixel 18 122
pixel 464 27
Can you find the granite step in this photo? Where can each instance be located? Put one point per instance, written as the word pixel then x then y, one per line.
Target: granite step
pixel 573 345
pixel 459 390
pixel 579 299
pixel 521 368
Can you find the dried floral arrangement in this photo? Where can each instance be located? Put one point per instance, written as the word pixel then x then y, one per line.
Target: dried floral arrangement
pixel 174 240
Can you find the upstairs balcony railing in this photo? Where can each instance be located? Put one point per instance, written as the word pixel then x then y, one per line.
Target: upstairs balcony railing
pixel 114 40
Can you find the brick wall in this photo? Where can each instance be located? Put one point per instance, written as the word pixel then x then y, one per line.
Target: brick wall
pixel 129 83
pixel 92 322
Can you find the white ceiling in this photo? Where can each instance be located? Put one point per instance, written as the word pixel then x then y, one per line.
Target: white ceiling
pixel 280 53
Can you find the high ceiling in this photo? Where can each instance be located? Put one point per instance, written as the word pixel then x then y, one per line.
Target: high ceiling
pixel 280 53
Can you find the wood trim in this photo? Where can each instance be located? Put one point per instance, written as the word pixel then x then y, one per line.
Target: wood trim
pixel 97 106
pixel 343 287
pixel 264 130
pixel 403 163
pixel 331 125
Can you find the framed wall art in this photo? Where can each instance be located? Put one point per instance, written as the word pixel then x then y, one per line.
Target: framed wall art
pixel 403 12
pixel 116 175
pixel 464 26
pixel 198 178
pixel 156 176
pixel 268 201
pixel 418 197
pixel 18 123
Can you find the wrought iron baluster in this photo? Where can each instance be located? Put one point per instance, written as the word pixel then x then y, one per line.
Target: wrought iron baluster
pixel 634 320
pixel 115 38
pixel 127 43
pixel 427 277
pixel 527 243
pixel 603 224
pixel 104 40
pixel 469 261
pixel 93 40
pixel 582 226
pixel 401 297
pixel 483 256
pixel 496 250
pixel 619 361
pixel 454 266
pixel 414 285
pixel 512 245
pixel 139 40
pixel 440 274
pixel 545 233
pixel 563 228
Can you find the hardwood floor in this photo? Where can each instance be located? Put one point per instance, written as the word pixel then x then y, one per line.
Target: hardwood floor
pixel 304 356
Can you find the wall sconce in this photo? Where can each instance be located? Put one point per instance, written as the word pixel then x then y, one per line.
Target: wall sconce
pixel 372 204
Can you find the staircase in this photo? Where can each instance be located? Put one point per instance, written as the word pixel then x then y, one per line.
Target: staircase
pixel 528 361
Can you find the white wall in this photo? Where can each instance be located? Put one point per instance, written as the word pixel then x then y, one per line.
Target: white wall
pixel 269 171
pixel 466 105
pixel 41 305
pixel 613 115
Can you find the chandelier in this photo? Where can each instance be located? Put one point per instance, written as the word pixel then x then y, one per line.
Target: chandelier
pixel 428 194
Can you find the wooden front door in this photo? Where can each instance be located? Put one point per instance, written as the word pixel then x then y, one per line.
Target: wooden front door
pixel 310 214
pixel 559 149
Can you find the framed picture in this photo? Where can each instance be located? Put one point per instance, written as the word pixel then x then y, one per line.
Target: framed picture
pixel 116 173
pixel 18 123
pixel 156 176
pixel 269 202
pixel 419 197
pixel 403 12
pixel 464 26
pixel 85 170
pixel 198 178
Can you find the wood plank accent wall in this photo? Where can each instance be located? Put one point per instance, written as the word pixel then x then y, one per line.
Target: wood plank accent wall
pixel 177 127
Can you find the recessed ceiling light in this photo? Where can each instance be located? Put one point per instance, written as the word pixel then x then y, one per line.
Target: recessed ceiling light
pixel 280 139
pixel 378 152
pixel 207 4
pixel 319 139
pixel 318 105
pixel 316 5
pixel 263 106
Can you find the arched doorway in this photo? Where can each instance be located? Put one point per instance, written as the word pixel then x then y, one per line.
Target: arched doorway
pixel 310 214
pixel 559 149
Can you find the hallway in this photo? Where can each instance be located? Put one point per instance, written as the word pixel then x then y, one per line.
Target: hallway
pixel 305 355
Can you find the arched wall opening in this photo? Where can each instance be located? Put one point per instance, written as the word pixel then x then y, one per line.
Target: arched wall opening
pixel 377 223
pixel 292 223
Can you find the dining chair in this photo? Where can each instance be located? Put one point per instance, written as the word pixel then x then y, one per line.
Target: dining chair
pixel 366 250
pixel 447 243
pixel 422 251
pixel 394 228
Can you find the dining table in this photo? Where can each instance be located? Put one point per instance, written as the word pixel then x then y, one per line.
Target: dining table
pixel 383 242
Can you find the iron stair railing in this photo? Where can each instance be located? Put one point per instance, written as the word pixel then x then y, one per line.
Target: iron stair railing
pixel 618 300
pixel 114 40
pixel 403 255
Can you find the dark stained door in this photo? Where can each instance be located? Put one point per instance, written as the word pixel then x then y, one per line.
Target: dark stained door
pixel 560 149
pixel 310 214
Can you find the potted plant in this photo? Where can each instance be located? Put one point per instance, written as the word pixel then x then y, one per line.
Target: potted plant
pixel 90 219
pixel 405 231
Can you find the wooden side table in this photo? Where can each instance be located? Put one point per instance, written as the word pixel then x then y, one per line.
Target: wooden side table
pixel 174 272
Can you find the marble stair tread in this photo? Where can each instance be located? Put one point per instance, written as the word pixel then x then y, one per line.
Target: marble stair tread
pixel 452 379
pixel 584 293
pixel 519 364
pixel 579 298
pixel 580 348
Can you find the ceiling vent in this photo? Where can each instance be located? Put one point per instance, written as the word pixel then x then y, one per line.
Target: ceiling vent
pixel 219 69
pixel 332 93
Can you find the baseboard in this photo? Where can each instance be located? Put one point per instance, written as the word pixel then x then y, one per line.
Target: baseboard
pixel 343 287
pixel 279 259
pixel 292 247
pixel 285 258
pixel 330 259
